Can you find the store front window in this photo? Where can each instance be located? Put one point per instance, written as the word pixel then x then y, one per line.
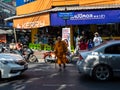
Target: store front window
pixel 109 30
pixel 47 35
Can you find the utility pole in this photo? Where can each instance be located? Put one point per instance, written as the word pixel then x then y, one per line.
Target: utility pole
pixel 66 17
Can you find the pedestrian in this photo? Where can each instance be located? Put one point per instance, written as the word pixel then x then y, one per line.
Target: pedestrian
pixel 19 46
pixel 90 44
pixel 77 44
pixel 82 44
pixel 12 45
pixel 66 42
pixel 83 35
pixel 26 40
pixel 60 52
pixel 97 39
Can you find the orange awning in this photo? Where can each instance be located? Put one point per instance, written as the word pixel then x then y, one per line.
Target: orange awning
pixel 36 21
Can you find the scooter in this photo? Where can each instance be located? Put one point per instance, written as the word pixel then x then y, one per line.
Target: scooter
pixel 29 56
pixel 25 52
pixel 50 57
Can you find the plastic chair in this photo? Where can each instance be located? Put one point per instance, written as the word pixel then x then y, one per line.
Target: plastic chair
pixel 31 45
pixel 72 49
pixel 47 47
pixel 38 47
pixel 35 46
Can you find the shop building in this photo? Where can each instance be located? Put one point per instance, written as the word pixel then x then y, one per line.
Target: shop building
pixel 50 16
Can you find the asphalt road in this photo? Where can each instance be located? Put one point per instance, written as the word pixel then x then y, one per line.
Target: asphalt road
pixel 43 76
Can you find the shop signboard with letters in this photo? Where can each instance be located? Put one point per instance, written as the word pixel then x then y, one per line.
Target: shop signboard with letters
pixel 87 17
pixel 65 15
pixel 36 21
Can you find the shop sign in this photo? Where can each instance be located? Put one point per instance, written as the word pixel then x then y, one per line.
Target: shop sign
pixel 65 15
pixel 85 16
pixel 32 22
pixel 3 38
pixel 88 17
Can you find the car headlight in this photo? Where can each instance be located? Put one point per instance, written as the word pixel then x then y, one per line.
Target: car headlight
pixel 6 62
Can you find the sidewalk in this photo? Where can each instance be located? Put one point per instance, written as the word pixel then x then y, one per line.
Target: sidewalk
pixel 40 55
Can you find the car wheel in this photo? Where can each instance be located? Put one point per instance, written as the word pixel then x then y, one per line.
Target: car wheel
pixel 102 72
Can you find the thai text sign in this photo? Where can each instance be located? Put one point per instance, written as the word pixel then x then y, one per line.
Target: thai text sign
pixel 32 22
pixel 65 15
pixel 88 17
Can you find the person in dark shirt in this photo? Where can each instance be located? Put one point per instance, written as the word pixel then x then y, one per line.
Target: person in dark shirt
pixel 90 44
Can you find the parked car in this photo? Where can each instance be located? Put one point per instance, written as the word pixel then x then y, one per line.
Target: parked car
pixel 102 62
pixel 12 65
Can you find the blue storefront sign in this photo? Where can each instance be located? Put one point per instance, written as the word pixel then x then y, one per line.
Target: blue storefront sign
pixel 65 15
pixel 87 17
pixel 9 24
pixel 22 2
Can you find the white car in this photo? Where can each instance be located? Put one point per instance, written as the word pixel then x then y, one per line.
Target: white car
pixel 12 65
pixel 102 62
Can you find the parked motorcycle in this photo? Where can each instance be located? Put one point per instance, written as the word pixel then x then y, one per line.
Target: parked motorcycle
pixel 28 54
pixel 25 52
pixel 50 57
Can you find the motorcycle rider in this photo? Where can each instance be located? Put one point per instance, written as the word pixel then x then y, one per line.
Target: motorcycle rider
pixel 19 46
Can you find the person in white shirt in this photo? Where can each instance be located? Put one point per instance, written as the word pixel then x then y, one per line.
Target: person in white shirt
pixel 77 45
pixel 97 39
pixel 77 39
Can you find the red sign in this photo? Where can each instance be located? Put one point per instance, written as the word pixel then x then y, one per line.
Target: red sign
pixel 3 38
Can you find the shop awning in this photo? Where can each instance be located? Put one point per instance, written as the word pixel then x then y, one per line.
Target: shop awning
pixel 68 8
pixel 98 14
pixel 35 21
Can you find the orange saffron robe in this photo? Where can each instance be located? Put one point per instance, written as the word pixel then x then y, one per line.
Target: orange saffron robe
pixel 60 51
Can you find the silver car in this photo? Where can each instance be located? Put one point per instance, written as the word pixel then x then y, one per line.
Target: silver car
pixel 11 65
pixel 101 62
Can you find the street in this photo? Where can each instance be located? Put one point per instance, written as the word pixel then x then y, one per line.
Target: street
pixel 35 35
pixel 41 76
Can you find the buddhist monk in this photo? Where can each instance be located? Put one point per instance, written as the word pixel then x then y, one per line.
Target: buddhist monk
pixel 60 52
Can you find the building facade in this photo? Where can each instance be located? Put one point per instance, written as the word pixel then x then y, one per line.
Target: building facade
pixel 79 15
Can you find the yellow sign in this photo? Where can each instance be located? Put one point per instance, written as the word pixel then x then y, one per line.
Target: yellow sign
pixel 32 22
